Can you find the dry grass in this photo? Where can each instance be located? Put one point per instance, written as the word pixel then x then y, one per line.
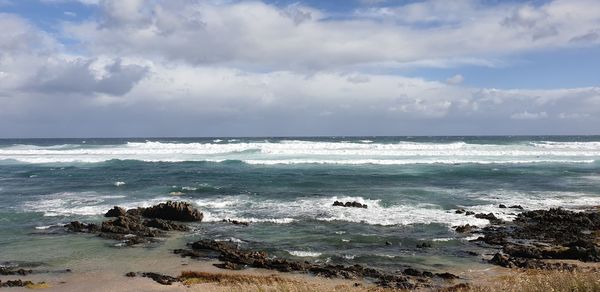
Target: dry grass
pixel 244 282
pixel 190 277
pixel 40 285
pixel 544 281
pixel 519 281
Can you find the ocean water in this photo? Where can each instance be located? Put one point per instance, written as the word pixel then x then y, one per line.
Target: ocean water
pixel 286 186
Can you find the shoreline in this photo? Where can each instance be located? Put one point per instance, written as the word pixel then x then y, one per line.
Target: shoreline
pixel 126 268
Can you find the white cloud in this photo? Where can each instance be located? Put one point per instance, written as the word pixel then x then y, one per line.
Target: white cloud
pixel 256 34
pixel 575 116
pixel 247 68
pixel 456 79
pixel 529 116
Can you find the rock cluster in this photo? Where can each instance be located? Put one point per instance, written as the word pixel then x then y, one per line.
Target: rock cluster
pixel 349 204
pixel 236 258
pixel 15 283
pixel 141 225
pixel 546 234
pixel 14 271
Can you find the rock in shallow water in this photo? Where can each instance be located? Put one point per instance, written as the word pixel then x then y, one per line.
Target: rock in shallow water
pixel 350 204
pixel 131 228
pixel 176 211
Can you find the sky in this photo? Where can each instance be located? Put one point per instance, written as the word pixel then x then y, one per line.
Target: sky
pixel 173 68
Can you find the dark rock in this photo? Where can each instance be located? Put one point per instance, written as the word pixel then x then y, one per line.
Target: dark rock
pixel 15 283
pixel 447 276
pixel 465 228
pixel 413 272
pixel 131 228
pixel 424 244
pixel 546 234
pixel 176 211
pixel 137 212
pixel 388 243
pixel 128 225
pixel 14 271
pixel 460 211
pixel 165 225
pixel 516 207
pixel 229 266
pixel 131 274
pixel 502 206
pixel 349 204
pixel 116 211
pixel 489 216
pixel 236 222
pixel 234 257
pixel 161 279
pixel 501 260
pixel 469 213
pixel 508 261
pixel 77 226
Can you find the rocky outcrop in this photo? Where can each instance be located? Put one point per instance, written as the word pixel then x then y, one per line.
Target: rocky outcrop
pixel 234 257
pixel 546 234
pixel 349 204
pixel 116 211
pixel 176 211
pixel 508 261
pixel 140 225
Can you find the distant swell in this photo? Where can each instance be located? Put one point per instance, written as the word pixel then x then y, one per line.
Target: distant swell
pixel 310 152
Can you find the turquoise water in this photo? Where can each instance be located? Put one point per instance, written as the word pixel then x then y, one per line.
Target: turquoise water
pixel 285 187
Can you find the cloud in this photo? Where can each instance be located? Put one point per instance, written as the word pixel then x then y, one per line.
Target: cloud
pixel 574 116
pixel 266 37
pixel 191 68
pixel 589 37
pixel 78 76
pixel 456 79
pixel 529 116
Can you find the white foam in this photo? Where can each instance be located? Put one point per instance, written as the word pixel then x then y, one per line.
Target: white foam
pixel 443 239
pixel 119 183
pixel 231 239
pixel 81 203
pixel 276 211
pixel 299 253
pixel 531 200
pixel 313 152
pixel 49 226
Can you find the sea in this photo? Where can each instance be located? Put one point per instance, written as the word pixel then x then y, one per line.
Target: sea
pixel 285 187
